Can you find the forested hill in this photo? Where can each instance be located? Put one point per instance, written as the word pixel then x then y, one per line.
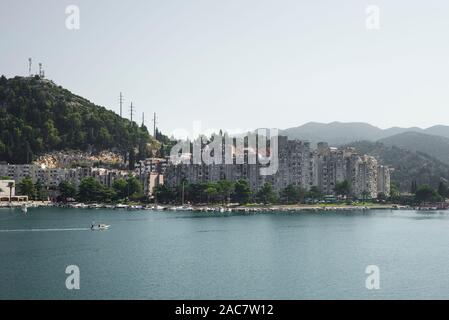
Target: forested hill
pixel 37 116
pixel 408 165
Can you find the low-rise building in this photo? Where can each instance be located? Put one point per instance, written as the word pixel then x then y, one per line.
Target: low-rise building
pixel 7 188
pixel 8 191
pixel 52 177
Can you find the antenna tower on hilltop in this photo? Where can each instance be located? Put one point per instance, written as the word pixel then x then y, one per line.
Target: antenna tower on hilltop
pixel 41 71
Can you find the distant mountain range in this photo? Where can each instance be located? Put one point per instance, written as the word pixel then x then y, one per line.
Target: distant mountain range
pixel 339 133
pixel 433 145
pixel 433 141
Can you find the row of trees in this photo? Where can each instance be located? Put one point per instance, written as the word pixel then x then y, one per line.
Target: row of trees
pixel 89 190
pixel 220 191
pixel 420 193
pixel 425 193
pixel 224 191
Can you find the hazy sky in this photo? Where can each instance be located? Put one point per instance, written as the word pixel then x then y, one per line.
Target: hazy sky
pixel 240 64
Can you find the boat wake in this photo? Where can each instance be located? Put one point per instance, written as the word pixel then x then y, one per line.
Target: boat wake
pixel 45 230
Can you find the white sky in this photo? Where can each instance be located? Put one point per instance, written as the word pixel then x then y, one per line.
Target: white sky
pixel 241 64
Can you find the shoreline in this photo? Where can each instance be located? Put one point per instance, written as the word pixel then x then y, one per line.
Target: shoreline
pixel 217 208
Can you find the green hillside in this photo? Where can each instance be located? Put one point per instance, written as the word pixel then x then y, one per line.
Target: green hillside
pixel 436 146
pixel 408 165
pixel 37 116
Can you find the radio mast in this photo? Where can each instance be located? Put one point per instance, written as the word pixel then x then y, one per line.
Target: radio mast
pixel 41 71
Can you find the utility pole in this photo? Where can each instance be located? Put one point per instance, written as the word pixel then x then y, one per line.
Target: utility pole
pixel 127 184
pixel 121 103
pixel 140 171
pixel 29 66
pixel 131 110
pixel 183 193
pixel 154 125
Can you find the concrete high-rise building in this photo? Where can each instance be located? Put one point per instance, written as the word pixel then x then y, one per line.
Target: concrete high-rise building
pixel 383 180
pixel 298 165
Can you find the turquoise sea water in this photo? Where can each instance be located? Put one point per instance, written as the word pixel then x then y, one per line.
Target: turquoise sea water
pixel 179 255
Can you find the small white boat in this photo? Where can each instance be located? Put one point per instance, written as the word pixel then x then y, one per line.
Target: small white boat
pixel 100 226
pixel 182 208
pixel 135 207
pixel 24 208
pixel 155 207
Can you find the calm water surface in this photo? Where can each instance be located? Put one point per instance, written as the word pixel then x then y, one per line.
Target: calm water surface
pixel 174 255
